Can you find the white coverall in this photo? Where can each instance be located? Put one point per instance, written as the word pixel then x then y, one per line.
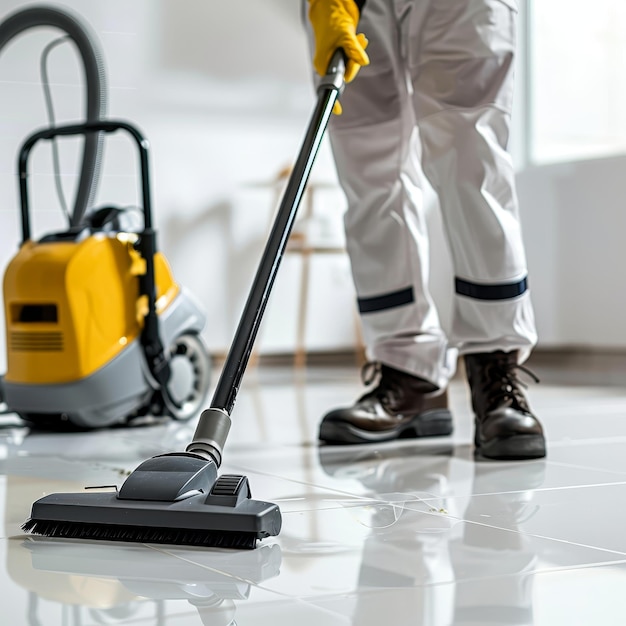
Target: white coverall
pixel 439 89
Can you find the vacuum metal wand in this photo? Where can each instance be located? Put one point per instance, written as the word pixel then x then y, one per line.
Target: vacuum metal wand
pixel 214 422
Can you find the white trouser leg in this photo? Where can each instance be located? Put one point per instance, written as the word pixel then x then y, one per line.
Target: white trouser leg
pixel 461 64
pixel 376 148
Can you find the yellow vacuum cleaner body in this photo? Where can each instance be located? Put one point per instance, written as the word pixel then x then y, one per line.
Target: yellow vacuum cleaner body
pixel 76 305
pixel 73 307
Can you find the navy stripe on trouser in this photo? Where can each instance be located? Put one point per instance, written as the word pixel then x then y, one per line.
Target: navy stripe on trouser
pixel 386 301
pixel 501 291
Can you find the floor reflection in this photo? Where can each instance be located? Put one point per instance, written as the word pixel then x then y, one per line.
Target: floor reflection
pixel 118 582
pixel 452 571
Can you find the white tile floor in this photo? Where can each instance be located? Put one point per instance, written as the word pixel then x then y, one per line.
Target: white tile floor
pixel 412 533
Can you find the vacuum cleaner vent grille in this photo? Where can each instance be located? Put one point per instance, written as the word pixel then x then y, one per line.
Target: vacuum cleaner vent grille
pixel 36 342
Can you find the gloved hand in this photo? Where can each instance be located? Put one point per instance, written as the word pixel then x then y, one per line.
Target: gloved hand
pixel 334 25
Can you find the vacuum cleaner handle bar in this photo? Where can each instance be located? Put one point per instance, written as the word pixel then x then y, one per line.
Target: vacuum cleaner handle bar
pixel 108 126
pixel 147 244
pixel 329 89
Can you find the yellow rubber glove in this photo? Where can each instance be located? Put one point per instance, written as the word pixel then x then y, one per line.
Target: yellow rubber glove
pixel 334 25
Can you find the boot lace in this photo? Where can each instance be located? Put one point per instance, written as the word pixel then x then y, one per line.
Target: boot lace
pixel 386 393
pixel 369 372
pixel 504 388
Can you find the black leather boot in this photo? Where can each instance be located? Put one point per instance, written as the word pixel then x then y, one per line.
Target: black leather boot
pixel 400 406
pixel 505 425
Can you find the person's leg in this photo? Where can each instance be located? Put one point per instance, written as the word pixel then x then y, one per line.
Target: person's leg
pixel 462 74
pixel 376 149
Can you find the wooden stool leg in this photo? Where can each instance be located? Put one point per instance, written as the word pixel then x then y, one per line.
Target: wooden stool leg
pixel 300 352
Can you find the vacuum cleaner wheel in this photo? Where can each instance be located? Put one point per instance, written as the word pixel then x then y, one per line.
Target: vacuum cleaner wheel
pixel 190 366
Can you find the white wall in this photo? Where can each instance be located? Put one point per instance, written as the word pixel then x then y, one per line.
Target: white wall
pixel 222 90
pixel 574 222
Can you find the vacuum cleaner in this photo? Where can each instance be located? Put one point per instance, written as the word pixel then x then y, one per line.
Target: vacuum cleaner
pixel 98 331
pixel 178 498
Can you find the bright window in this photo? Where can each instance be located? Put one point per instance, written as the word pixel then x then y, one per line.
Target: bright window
pixel 577 79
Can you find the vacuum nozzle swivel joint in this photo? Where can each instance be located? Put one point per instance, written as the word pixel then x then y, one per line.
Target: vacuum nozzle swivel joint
pixel 210 436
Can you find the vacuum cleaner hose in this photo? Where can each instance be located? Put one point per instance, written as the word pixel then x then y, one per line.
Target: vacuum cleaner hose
pixel 96 95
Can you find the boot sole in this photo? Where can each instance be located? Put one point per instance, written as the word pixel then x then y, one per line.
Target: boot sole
pixel 516 448
pixel 435 423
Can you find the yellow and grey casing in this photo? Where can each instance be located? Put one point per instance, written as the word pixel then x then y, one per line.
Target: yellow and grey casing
pixel 74 317
pixel 71 307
